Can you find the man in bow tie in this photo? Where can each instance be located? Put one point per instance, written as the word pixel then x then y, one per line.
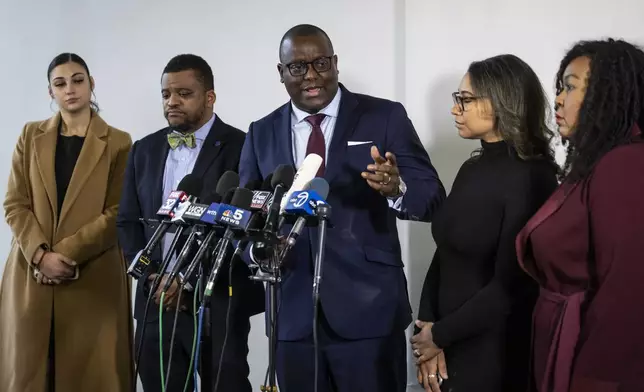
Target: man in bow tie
pixel 377 170
pixel 196 141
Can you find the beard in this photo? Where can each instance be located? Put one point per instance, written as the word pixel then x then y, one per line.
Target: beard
pixel 189 124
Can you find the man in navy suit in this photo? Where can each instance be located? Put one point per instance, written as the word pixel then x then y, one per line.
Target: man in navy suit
pixel 196 141
pixel 369 146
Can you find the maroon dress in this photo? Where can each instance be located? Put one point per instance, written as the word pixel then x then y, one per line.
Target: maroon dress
pixel 585 247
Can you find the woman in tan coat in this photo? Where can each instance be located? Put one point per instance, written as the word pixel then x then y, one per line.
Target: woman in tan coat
pixel 65 321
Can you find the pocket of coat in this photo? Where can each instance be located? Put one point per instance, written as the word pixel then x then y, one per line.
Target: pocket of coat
pixel 382 256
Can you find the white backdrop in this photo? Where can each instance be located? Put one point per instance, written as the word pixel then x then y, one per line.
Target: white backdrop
pixel 414 51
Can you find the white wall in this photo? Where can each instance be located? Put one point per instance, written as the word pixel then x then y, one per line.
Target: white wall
pixel 414 51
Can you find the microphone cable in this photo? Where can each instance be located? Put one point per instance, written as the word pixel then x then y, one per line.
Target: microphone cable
pixel 199 328
pixel 172 336
pixel 141 340
pixel 194 337
pixel 228 308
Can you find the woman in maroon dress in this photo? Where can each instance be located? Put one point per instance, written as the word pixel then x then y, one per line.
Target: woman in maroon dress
pixel 585 246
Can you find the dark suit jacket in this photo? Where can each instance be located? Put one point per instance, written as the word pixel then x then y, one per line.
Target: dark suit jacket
pixel 364 289
pixel 143 194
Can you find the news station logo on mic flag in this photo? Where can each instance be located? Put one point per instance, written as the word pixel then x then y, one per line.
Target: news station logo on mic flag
pixel 210 216
pixel 173 199
pixel 233 216
pixel 180 210
pixel 260 199
pixel 303 202
pixel 195 211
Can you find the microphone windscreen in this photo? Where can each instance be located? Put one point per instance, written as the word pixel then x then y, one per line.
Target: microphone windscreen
pixel 320 186
pixel 266 185
pixel 191 184
pixel 253 185
pixel 228 196
pixel 283 175
pixel 227 181
pixel 211 197
pixel 304 175
pixel 242 198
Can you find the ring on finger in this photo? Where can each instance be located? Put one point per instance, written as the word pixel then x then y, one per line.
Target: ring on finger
pixel 416 353
pixel 386 179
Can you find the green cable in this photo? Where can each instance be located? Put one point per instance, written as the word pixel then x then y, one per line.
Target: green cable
pixel 161 340
pixel 194 337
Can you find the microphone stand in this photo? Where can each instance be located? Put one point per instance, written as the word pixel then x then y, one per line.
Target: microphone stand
pixel 272 278
pixel 206 339
pixel 323 213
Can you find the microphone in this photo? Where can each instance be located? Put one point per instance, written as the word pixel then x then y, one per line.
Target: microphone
pixel 236 216
pixel 304 175
pixel 282 179
pixel 304 205
pixel 190 185
pixel 226 185
pixel 192 215
pixel 262 197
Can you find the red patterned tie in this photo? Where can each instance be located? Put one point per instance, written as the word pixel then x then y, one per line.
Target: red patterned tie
pixel 316 143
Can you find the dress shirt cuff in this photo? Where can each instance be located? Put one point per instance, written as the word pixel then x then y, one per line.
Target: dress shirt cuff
pixel 396 202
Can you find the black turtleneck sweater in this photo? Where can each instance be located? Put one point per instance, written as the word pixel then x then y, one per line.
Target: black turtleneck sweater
pixel 475 292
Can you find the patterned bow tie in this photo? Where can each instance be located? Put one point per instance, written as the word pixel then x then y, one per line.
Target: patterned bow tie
pixel 176 139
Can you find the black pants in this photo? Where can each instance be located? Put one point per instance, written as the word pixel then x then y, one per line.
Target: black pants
pixel 235 369
pixel 369 365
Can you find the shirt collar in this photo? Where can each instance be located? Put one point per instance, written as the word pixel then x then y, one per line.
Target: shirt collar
pixel 202 133
pixel 330 110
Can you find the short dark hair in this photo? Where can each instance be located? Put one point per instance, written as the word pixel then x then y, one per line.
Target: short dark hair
pixel 520 104
pixel 191 62
pixel 304 30
pixel 65 58
pixel 612 105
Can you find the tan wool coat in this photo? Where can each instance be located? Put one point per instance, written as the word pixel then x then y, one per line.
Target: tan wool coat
pixel 91 315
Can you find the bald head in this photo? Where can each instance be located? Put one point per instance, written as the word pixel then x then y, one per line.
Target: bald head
pixel 301 31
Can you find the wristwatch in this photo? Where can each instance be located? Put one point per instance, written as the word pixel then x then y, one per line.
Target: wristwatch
pixel 402 189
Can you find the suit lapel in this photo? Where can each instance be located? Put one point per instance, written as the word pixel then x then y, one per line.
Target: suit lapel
pixel 159 153
pixel 211 147
pixel 91 153
pixel 552 205
pixel 45 149
pixel 348 117
pixel 283 135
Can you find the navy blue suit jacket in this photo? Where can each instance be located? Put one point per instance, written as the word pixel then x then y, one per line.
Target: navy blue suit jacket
pixel 142 196
pixel 363 292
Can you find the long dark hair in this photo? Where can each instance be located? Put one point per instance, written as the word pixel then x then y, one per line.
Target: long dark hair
pixel 65 58
pixel 520 104
pixel 612 105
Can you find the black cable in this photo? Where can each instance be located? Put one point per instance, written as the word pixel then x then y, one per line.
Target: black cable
pixel 228 308
pixel 141 341
pixel 172 334
pixel 316 346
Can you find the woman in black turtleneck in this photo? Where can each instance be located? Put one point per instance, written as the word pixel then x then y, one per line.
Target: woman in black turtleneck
pixel 473 332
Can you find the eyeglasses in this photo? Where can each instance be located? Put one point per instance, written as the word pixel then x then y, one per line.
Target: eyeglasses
pixel 461 100
pixel 300 68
